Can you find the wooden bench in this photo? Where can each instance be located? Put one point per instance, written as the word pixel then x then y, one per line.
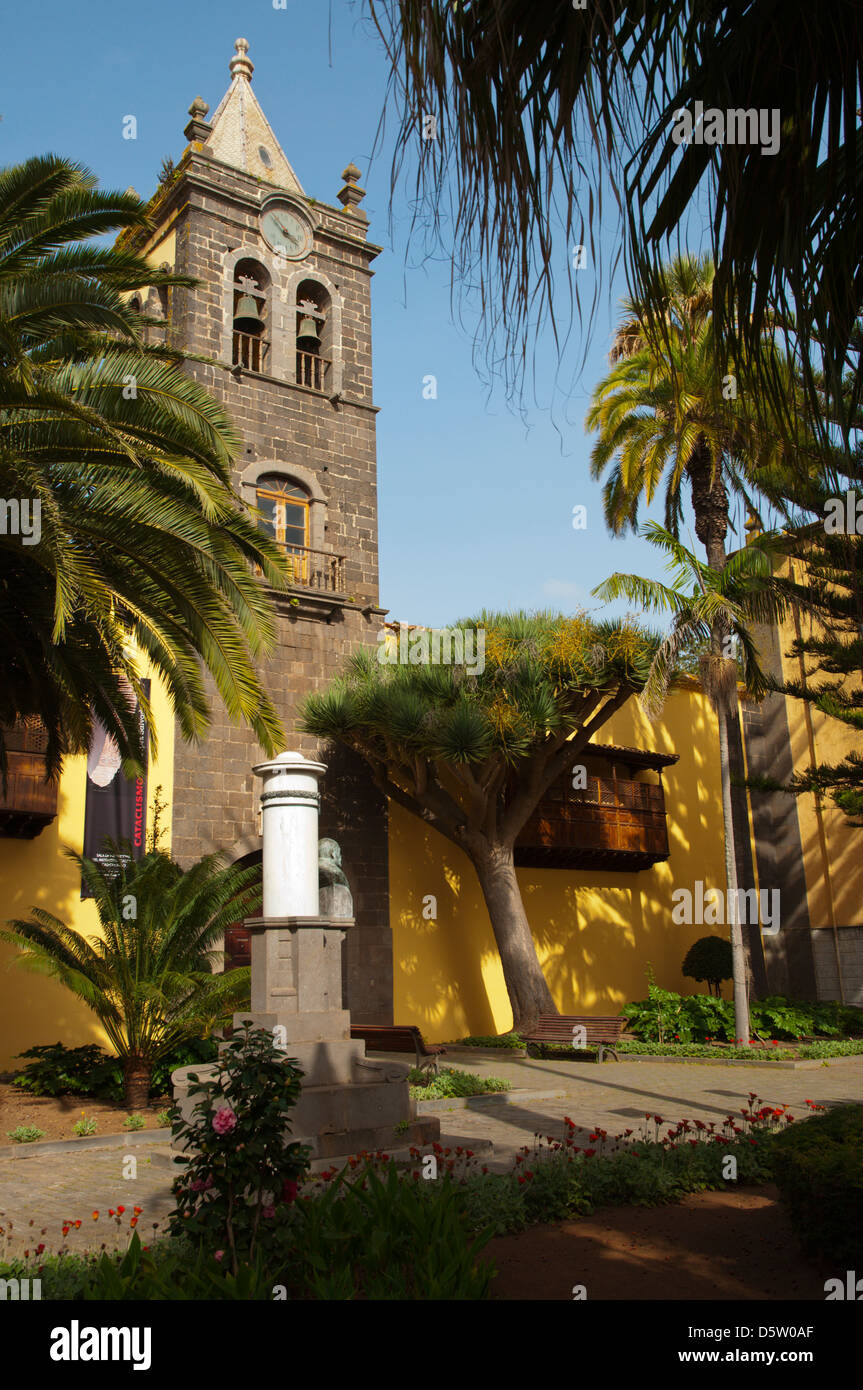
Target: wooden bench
pixel 382 1037
pixel 557 1028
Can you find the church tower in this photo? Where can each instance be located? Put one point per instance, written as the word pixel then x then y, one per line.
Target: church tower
pixel 282 315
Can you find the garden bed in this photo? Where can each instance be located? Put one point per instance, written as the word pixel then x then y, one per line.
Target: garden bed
pixel 736 1244
pixel 56 1115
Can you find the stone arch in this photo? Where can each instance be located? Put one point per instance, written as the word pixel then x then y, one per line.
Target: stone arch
pixel 290 283
pixel 294 473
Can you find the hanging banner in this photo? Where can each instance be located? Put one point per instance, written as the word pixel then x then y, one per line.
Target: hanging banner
pixel 115 805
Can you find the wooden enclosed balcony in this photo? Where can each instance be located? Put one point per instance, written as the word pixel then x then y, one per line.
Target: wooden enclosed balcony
pixel 28 803
pixel 612 823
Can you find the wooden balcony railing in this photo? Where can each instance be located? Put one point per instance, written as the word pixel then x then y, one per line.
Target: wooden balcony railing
pixel 612 823
pixel 250 352
pixel 312 370
pixel 315 569
pixel 28 803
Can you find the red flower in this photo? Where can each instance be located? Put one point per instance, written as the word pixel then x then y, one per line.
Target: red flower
pixel 521 1180
pixel 289 1191
pixel 588 1153
pixel 120 1211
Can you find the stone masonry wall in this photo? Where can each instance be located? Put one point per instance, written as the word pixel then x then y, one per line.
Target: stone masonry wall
pixel 215 793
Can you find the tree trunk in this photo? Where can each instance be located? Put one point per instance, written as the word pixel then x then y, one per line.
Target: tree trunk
pixel 136 1083
pixel 738 956
pixel 710 505
pixel 526 985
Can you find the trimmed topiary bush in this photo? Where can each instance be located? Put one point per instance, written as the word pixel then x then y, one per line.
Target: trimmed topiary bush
pixel 818 1168
pixel 708 959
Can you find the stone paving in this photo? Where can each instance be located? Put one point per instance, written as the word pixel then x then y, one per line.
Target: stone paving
pixel 49 1189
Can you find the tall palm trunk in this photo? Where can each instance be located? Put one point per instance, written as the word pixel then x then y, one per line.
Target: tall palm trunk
pixel 526 985
pixel 738 955
pixel 710 504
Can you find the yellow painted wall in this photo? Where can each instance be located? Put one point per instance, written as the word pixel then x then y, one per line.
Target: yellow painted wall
pixel 36 873
pixel 832 857
pixel 595 931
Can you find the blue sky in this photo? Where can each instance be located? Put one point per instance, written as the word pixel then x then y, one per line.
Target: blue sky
pixel 475 504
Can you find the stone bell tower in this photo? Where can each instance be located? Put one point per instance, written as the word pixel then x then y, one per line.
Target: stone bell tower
pixel 282 314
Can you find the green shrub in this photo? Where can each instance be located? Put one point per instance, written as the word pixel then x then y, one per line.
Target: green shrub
pixel 136 1121
pixel 494 1040
pixel 450 1082
pixel 240 1166
pixel 668 1017
pixel 381 1236
pixel 818 1168
pixel 25 1134
pixel 86 1125
pixel 55 1070
pixel 708 958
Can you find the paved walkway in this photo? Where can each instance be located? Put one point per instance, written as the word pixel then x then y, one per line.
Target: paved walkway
pixel 50 1189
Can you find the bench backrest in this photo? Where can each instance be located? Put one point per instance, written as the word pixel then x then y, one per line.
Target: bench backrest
pixel 390 1038
pixel 555 1027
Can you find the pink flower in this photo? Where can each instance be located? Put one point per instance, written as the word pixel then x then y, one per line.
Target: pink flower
pixel 224 1120
pixel 219 1255
pixel 268 1213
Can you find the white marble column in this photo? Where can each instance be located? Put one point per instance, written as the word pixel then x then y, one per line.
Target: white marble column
pixel 290 801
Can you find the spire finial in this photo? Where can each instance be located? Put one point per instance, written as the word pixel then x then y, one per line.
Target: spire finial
pixel 241 66
pixel 352 195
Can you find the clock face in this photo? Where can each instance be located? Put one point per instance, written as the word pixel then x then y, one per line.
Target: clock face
pixel 285 232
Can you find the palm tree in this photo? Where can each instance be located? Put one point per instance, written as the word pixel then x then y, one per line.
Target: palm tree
pixel 473 752
pixel 149 976
pixel 725 600
pixel 143 551
pixel 540 107
pixel 668 413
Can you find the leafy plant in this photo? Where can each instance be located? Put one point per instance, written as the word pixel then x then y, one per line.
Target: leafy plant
pixel 240 1167
pixel 86 1125
pixel 163 1119
pixel 378 1236
pixel 149 977
pixel 134 1122
pixel 25 1134
pixel 56 1070
pixel 818 1168
pixel 450 1082
pixel 511 1040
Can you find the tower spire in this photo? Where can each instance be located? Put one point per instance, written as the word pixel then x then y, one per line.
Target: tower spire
pixel 241 65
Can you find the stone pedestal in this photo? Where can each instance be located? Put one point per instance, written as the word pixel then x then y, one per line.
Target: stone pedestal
pixel 348 1102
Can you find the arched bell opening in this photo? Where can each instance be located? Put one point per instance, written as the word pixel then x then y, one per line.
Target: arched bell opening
pixel 314 335
pixel 250 315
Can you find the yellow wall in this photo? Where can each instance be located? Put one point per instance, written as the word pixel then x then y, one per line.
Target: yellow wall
pixel 831 848
pixel 36 873
pixel 595 931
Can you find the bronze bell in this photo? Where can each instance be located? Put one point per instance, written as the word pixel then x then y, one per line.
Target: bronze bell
pixel 308 335
pixel 247 318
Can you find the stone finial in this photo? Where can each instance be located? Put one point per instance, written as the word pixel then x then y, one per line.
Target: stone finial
pixel 352 195
pixel 198 128
pixel 241 66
